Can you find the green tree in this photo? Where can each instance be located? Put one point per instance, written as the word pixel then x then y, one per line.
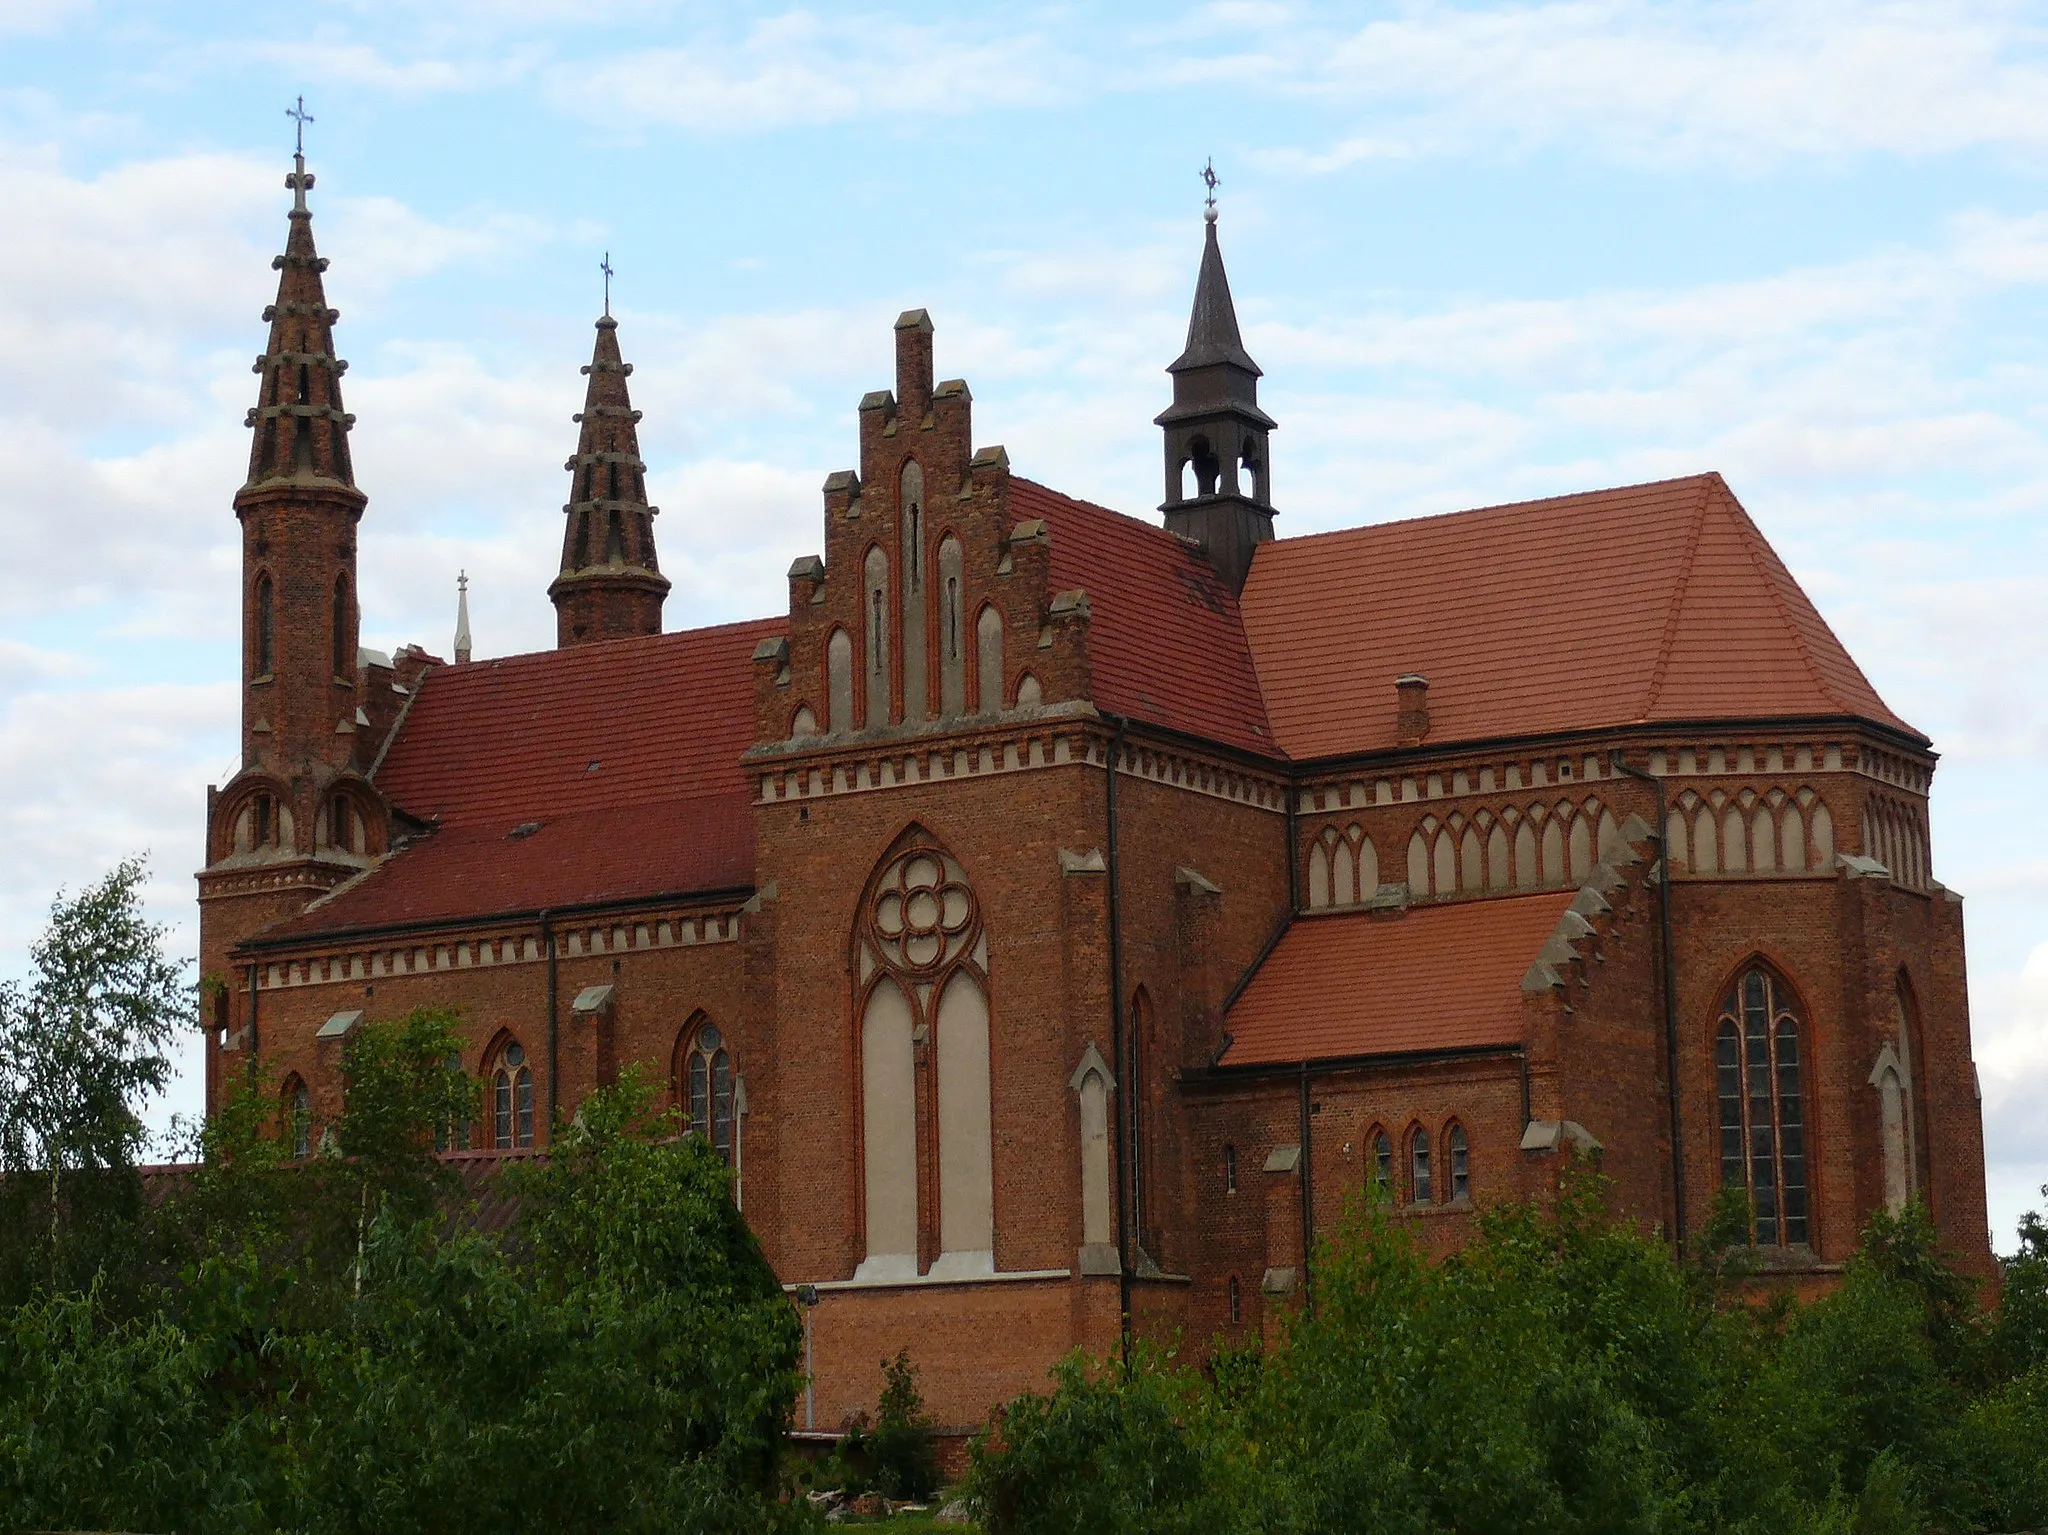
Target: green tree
pixel 82 1045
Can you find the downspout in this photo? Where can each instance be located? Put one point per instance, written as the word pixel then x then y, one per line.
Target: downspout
pixel 253 1040
pixel 1125 1199
pixel 547 943
pixel 1662 836
pixel 1308 1205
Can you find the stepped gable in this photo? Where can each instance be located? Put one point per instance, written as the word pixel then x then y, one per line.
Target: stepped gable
pixel 1644 604
pixel 1165 642
pixel 626 753
pixel 1363 983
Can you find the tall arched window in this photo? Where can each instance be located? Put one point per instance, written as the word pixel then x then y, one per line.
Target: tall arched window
pixel 922 958
pixel 298 1110
pixel 988 661
pixel 838 682
pixel 1460 1152
pixel 952 592
pixel 1236 1302
pixel 512 1099
pixel 1381 1168
pixel 265 659
pixel 910 507
pixel 1230 1169
pixel 344 648
pixel 1763 1124
pixel 1420 1189
pixel 876 584
pixel 707 1083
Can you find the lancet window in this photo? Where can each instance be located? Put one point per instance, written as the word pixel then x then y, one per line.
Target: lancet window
pixel 512 1099
pixel 706 1087
pixel 921 958
pixel 1757 1071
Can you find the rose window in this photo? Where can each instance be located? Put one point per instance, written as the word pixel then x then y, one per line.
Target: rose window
pixel 923 913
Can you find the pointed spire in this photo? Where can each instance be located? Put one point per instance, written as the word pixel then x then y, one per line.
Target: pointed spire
pixel 462 616
pixel 610 583
pixel 1218 476
pixel 1212 325
pixel 301 427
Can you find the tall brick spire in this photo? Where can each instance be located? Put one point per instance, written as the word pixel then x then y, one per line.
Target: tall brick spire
pixel 611 585
pixel 299 508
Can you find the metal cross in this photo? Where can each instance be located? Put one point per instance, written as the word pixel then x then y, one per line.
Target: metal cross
pixel 1209 179
pixel 605 266
pixel 301 116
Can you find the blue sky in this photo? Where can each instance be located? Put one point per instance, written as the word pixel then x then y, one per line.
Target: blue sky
pixel 1483 252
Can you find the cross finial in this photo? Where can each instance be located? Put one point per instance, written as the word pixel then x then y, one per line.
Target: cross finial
pixel 1209 180
pixel 299 115
pixel 605 266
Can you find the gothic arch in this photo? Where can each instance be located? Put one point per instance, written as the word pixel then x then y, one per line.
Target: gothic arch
pixel 988 660
pixel 912 598
pixel 1760 1040
pixel 920 964
pixel 875 633
pixel 257 818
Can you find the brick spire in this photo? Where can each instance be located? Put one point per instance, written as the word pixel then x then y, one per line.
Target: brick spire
pixel 611 585
pixel 301 428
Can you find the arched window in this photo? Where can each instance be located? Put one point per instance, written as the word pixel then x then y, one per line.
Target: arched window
pixel 1763 1125
pixel 910 504
pixel 952 628
pixel 707 1081
pixel 1461 1163
pixel 265 659
pixel 876 585
pixel 298 1113
pixel 988 661
pixel 512 1100
pixel 1381 1168
pixel 1419 1187
pixel 344 647
pixel 838 682
pixel 921 952
pixel 1236 1302
pixel 1230 1169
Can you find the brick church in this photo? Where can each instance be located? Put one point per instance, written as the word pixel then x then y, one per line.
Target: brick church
pixel 1057 915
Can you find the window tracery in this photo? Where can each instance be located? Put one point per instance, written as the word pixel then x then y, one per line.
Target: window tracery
pixel 922 965
pixel 512 1099
pixel 706 1087
pixel 1757 1071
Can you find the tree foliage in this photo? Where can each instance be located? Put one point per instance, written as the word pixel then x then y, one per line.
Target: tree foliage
pixel 1562 1373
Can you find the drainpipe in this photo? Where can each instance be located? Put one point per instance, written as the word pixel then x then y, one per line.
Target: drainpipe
pixel 547 943
pixel 1126 1200
pixel 1662 837
pixel 253 1040
pixel 1308 1204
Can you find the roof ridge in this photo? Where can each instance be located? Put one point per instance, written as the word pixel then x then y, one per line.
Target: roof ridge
pixel 1497 506
pixel 1754 544
pixel 1678 594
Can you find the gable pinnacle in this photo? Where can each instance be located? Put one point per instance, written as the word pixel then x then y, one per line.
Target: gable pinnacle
pixel 462 645
pixel 610 583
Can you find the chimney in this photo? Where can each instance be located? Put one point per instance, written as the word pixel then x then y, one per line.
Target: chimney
pixel 1411 715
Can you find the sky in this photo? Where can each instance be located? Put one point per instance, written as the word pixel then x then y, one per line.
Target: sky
pixel 1483 253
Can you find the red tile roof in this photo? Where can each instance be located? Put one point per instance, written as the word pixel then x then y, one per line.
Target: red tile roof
pixel 1656 602
pixel 1165 640
pixel 1361 983
pixel 627 754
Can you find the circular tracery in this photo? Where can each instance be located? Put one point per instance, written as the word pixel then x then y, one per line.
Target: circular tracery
pixel 923 913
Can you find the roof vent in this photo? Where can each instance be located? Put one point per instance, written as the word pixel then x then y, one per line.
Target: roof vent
pixel 524 830
pixel 1411 716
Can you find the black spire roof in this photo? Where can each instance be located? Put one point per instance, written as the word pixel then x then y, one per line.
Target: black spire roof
pixel 1212 326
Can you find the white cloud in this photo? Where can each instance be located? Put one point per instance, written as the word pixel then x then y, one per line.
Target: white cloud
pixel 804 67
pixel 1740 84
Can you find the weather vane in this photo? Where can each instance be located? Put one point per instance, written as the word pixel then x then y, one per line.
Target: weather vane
pixel 301 116
pixel 605 266
pixel 1209 180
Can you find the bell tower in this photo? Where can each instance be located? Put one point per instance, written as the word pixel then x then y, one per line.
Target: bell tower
pixel 300 814
pixel 1218 476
